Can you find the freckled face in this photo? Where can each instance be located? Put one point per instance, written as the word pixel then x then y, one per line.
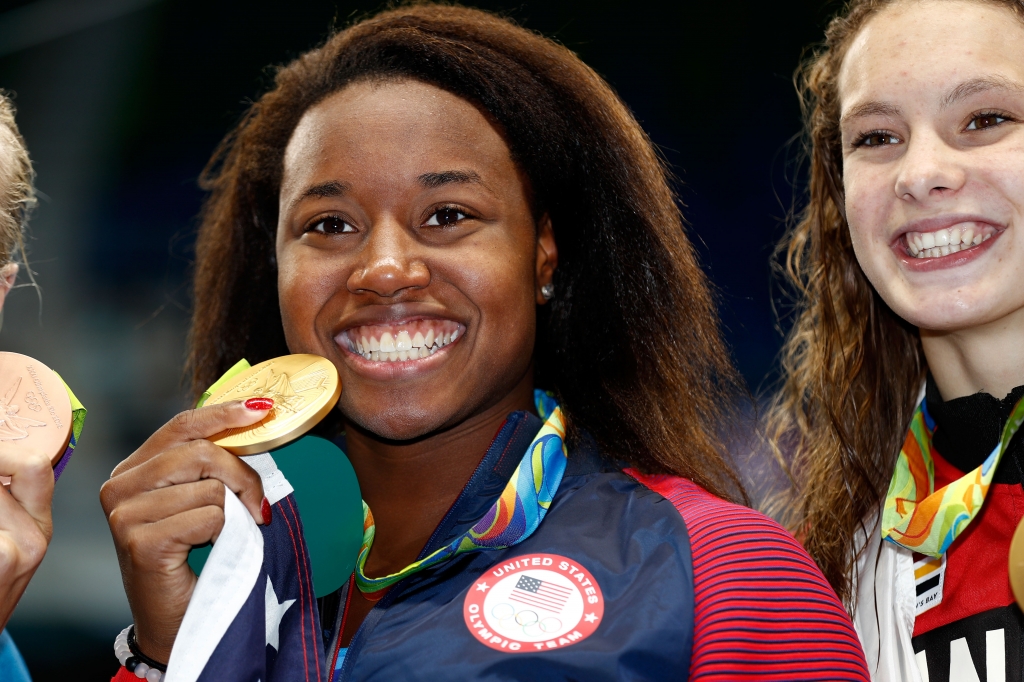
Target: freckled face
pixel 932 102
pixel 408 256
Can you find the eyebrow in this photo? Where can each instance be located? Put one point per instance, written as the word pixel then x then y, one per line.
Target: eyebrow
pixel 976 85
pixel 960 92
pixel 326 189
pixel 873 108
pixel 448 177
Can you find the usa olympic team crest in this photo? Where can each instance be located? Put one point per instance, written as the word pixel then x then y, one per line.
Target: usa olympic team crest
pixel 534 602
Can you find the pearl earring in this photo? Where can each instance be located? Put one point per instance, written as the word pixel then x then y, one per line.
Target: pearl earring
pixel 548 291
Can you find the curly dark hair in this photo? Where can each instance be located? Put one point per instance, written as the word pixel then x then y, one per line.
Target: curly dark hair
pixel 631 344
pixel 852 367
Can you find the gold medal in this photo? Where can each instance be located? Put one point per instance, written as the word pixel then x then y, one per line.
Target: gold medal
pixel 1017 564
pixel 304 389
pixel 35 410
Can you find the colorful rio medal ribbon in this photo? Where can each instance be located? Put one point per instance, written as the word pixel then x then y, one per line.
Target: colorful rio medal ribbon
pixel 304 389
pixel 925 520
pixel 38 412
pixel 515 515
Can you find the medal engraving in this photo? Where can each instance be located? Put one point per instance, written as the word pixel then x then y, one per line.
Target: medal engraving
pixel 35 410
pixel 304 389
pixel 12 425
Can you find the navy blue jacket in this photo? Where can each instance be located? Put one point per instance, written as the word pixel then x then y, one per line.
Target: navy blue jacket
pixel 629 577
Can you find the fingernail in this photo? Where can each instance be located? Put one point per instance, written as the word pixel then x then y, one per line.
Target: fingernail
pixel 260 403
pixel 268 513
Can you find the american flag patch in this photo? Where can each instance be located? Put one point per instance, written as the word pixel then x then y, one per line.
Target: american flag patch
pixel 543 595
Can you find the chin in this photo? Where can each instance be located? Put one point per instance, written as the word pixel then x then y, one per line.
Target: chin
pixel 951 314
pixel 396 424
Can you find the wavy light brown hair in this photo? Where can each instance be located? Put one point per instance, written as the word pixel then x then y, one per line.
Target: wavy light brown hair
pixel 17 195
pixel 630 344
pixel 852 368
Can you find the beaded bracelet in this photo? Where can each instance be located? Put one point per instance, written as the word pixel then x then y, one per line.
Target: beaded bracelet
pixel 128 655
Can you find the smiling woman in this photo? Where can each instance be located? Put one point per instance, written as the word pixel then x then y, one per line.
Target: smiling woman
pixel 455 211
pixel 905 368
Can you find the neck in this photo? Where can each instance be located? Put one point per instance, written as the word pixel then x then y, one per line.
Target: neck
pixel 410 485
pixel 988 358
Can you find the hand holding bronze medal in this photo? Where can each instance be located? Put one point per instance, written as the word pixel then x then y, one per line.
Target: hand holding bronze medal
pixel 35 409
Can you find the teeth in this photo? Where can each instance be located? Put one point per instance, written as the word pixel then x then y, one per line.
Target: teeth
pixel 944 242
pixel 406 341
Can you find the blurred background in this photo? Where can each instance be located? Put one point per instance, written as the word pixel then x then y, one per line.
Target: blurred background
pixel 121 103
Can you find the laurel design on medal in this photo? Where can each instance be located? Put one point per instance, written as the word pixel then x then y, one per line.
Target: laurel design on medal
pixel 304 389
pixel 35 410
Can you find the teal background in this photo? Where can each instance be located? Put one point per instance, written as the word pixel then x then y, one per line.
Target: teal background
pixel 330 506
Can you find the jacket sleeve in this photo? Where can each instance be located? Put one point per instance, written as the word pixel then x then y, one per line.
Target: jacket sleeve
pixel 762 609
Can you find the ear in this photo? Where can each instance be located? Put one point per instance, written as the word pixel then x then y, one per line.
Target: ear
pixel 8 274
pixel 547 257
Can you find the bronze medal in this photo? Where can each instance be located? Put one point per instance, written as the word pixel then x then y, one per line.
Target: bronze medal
pixel 35 410
pixel 304 389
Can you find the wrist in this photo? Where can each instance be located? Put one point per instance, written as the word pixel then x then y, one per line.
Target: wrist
pixel 150 647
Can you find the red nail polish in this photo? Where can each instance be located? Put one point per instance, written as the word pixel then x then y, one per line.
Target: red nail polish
pixel 260 403
pixel 266 511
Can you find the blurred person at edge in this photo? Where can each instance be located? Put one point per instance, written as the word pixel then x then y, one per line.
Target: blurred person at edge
pixel 436 170
pixel 25 522
pixel 906 361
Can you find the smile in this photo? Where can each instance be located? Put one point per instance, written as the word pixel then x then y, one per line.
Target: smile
pixel 401 342
pixel 950 240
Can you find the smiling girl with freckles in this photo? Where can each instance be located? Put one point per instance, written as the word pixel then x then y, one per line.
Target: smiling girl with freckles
pixel 455 211
pixel 904 371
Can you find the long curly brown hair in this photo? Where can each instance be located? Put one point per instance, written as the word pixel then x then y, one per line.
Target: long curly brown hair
pixel 631 342
pixel 852 368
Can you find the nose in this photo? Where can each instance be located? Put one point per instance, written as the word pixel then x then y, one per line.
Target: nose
pixel 390 264
pixel 928 170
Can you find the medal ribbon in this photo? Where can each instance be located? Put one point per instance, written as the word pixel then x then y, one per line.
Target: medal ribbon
pixel 925 520
pixel 78 413
pixel 515 515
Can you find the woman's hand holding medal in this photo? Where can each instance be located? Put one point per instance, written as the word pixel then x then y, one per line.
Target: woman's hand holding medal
pixel 167 497
pixel 25 522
